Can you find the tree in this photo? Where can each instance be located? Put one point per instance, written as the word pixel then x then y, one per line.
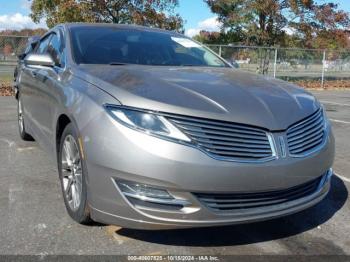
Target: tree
pixel 264 22
pixel 207 37
pixel 331 39
pixel 157 13
pixel 59 11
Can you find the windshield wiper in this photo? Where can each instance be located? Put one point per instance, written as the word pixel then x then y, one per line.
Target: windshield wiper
pixel 117 63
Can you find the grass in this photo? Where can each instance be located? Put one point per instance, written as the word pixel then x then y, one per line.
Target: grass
pixel 6 79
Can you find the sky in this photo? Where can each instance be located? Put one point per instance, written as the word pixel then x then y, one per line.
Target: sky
pixel 14 15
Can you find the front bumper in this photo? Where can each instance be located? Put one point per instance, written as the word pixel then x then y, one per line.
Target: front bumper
pixel 119 153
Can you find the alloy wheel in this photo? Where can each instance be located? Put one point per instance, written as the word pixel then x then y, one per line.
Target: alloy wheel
pixel 20 116
pixel 71 172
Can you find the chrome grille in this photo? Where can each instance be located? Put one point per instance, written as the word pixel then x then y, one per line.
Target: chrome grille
pixel 226 140
pixel 239 201
pixel 306 135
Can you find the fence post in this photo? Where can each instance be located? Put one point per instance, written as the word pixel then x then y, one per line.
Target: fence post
pixel 220 51
pixel 323 68
pixel 275 64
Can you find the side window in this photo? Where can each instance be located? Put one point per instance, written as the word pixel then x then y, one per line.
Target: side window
pixel 56 50
pixel 41 48
pixel 28 49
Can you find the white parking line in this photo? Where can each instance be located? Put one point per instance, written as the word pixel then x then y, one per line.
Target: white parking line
pixel 343 177
pixel 333 103
pixel 21 149
pixel 8 142
pixel 339 121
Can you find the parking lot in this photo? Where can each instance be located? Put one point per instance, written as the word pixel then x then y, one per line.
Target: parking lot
pixel 34 219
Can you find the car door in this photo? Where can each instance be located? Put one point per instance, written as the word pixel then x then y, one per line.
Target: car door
pixel 30 91
pixel 31 46
pixel 46 94
pixel 51 88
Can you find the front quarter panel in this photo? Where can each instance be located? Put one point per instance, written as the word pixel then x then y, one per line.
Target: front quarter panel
pixel 80 101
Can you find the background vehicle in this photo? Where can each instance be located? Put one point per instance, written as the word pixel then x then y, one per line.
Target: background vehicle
pixel 152 130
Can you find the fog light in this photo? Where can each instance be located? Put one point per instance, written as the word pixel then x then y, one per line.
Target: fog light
pixel 142 195
pixel 143 192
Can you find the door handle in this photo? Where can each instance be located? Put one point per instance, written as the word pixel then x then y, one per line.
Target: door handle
pixel 33 73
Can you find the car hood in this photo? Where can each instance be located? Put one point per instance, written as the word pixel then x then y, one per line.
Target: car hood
pixel 217 93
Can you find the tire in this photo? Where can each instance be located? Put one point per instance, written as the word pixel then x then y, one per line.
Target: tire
pixel 21 127
pixel 72 173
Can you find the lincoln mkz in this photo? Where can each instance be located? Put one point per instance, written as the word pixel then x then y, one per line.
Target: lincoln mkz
pixel 153 130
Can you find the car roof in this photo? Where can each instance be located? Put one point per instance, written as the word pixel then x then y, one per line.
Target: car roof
pixel 121 26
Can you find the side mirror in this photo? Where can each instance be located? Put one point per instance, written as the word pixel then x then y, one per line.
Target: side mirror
pixel 234 64
pixel 21 56
pixel 39 60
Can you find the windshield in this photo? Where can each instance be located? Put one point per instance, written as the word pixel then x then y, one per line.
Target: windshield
pixel 111 45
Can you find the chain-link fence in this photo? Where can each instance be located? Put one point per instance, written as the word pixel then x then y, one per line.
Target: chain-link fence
pixel 10 47
pixel 307 67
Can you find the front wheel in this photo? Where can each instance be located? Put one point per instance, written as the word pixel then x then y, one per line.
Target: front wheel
pixel 72 173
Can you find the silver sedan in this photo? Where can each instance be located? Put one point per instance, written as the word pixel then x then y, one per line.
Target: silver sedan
pixel 152 130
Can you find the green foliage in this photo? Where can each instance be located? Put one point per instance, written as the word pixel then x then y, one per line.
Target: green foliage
pixel 264 22
pixel 218 37
pixel 158 13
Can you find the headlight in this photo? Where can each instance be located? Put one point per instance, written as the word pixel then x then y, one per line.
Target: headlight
pixel 147 122
pixel 325 118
